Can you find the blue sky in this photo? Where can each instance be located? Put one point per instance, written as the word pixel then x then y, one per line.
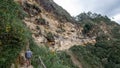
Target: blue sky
pixel 111 8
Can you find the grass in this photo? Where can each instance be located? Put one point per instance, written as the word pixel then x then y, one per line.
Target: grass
pixel 50 59
pixel 13 34
pixel 87 59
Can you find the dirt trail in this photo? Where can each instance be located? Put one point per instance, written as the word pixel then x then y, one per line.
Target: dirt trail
pixel 74 59
pixel 27 67
pixel 25 64
pixel 21 66
pixel 24 59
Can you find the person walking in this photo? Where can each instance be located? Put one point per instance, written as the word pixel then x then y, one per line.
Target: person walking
pixel 28 55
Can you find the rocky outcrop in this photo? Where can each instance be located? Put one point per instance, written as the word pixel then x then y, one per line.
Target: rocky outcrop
pixel 57 11
pixel 47 30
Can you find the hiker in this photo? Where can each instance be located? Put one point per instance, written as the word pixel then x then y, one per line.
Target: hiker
pixel 28 55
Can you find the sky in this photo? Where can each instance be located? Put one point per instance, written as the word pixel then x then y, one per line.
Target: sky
pixel 111 8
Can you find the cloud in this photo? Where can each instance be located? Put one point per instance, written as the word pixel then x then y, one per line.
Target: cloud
pixel 111 8
pixel 70 5
pixel 116 18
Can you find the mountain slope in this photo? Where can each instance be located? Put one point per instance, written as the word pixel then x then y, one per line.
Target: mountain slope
pixel 88 41
pixel 104 53
pixel 48 30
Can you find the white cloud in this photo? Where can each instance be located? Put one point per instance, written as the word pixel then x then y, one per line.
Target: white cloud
pixel 70 5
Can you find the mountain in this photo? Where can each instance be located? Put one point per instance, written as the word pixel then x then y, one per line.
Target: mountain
pixel 57 39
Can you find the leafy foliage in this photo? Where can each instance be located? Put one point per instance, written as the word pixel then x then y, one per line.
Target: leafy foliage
pixel 13 34
pixel 87 27
pixel 87 59
pixel 66 59
pixel 94 17
pixel 50 37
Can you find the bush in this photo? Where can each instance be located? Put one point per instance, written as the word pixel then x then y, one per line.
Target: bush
pixel 87 27
pixel 50 37
pixel 41 21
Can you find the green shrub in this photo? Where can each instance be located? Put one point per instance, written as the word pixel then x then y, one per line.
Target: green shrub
pixel 87 27
pixel 42 21
pixel 85 56
pixel 50 37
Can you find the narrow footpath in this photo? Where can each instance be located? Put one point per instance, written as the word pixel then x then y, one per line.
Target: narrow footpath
pixel 74 59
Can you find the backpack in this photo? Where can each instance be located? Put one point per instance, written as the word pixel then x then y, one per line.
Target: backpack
pixel 28 54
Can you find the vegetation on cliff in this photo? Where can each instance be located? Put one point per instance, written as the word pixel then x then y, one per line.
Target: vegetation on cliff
pixel 105 53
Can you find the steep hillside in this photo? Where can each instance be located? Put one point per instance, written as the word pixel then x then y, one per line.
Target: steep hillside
pixel 55 38
pixel 16 38
pixel 42 28
pixel 49 30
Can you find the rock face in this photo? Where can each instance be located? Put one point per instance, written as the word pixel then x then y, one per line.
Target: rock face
pixel 58 33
